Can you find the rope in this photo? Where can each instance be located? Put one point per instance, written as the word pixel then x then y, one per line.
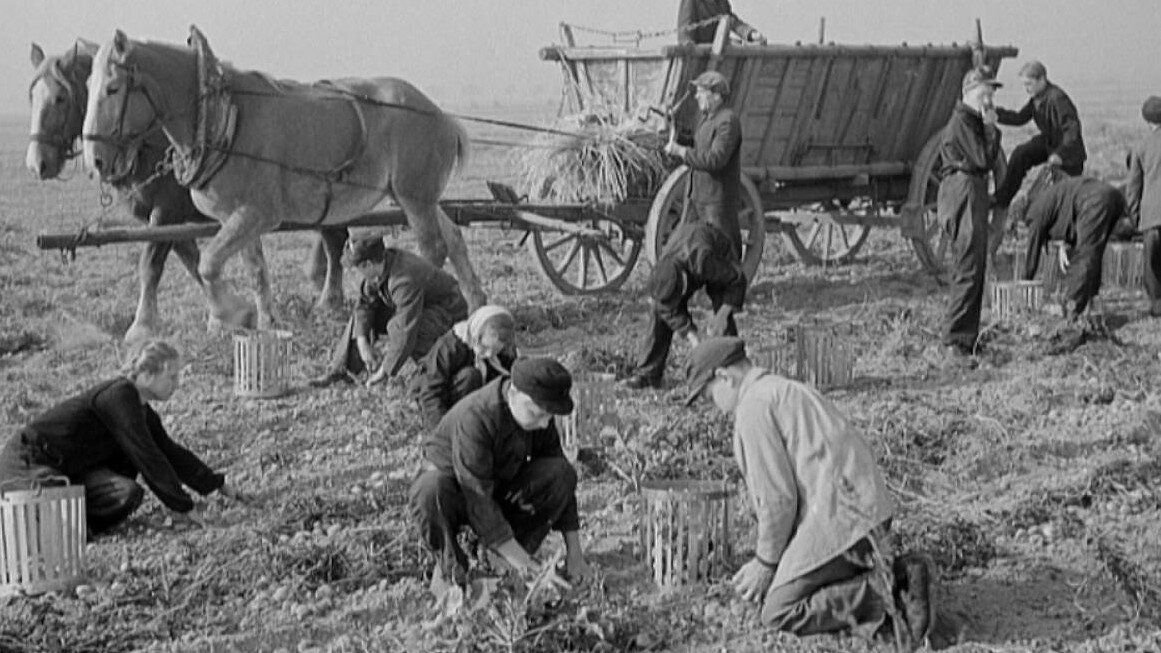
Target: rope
pixel 636 36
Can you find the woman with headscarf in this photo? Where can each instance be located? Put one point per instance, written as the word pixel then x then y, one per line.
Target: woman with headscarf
pixel 107 436
pixel 474 352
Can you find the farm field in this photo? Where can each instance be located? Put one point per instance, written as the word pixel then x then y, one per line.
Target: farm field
pixel 1032 481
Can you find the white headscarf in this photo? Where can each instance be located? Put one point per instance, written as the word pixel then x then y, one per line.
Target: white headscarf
pixel 470 330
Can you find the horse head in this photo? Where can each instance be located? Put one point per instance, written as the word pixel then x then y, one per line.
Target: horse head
pixel 58 96
pixel 1039 179
pixel 127 106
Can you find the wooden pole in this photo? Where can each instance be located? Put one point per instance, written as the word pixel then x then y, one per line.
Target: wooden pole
pixel 821 30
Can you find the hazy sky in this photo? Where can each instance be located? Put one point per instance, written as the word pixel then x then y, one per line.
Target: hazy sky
pixel 486 50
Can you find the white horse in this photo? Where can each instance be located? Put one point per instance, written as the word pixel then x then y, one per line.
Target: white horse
pixel 256 152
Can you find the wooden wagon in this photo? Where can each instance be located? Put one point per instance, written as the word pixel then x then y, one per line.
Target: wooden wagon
pixel 837 139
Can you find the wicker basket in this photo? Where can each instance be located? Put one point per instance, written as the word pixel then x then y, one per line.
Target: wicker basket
pixel 595 408
pixel 1011 298
pixel 811 353
pixel 42 539
pixel 262 364
pixel 685 530
pixel 1124 265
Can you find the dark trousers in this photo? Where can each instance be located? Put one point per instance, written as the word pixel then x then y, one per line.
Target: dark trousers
pixel 963 208
pixel 432 324
pixel 111 495
pixel 725 217
pixel 1024 158
pixel 660 340
pixel 439 508
pixel 1094 225
pixel 836 597
pixel 1153 264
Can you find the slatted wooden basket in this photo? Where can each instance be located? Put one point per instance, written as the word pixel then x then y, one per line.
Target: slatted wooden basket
pixel 262 364
pixel 685 530
pixel 595 409
pixel 812 353
pixel 42 539
pixel 1012 298
pixel 1124 265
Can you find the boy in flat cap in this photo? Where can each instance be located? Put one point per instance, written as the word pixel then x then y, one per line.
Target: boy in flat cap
pixel 1059 142
pixel 970 150
pixel 821 504
pixel 693 13
pixel 402 297
pixel 1082 213
pixel 1144 198
pixel 495 463
pixel 697 255
pixel 715 183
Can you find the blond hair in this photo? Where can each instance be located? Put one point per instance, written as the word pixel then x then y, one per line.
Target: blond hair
pixel 148 357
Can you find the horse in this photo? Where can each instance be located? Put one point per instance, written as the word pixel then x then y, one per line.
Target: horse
pixel 255 151
pixel 58 95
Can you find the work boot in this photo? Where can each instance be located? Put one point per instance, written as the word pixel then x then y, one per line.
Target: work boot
pixel 959 356
pixel 331 378
pixel 640 381
pixel 913 595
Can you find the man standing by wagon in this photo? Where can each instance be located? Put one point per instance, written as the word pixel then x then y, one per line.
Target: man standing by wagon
pixel 970 150
pixel 1059 142
pixel 822 507
pixel 495 463
pixel 404 298
pixel 1144 198
pixel 715 184
pixel 692 25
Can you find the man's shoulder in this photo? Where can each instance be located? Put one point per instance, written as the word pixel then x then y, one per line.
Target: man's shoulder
pixel 480 407
pixel 1056 95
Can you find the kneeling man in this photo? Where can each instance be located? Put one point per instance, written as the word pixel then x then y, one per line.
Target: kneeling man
pixel 495 463
pixel 820 501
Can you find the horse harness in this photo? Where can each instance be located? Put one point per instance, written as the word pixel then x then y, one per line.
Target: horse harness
pixel 75 89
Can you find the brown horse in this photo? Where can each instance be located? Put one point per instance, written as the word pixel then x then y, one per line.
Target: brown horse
pixel 256 152
pixel 58 95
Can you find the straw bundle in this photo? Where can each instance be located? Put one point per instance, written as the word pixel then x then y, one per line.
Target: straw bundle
pixel 609 158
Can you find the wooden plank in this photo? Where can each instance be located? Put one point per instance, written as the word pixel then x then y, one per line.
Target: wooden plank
pixel 705 50
pixel 804 100
pixel 787 173
pixel 776 69
pixel 862 97
pixel 835 109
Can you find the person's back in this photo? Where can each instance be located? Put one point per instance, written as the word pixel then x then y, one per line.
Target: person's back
pixel 695 24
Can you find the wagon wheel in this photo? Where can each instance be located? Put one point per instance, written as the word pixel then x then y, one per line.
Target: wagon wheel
pixel 582 264
pixel 921 219
pixel 666 211
pixel 822 241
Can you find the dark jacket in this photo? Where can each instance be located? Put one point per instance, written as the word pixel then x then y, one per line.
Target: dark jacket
pixel 1080 211
pixel 695 11
pixel 410 286
pixel 967 144
pixel 716 160
pixel 107 426
pixel 704 256
pixel 1056 117
pixel 1143 191
pixel 482 445
pixel 447 358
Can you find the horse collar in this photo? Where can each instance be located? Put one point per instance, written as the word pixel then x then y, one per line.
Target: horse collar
pixel 215 121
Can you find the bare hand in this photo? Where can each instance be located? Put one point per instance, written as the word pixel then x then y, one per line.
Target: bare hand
pixel 752 580
pixel 757 37
pixel 673 149
pixel 1055 161
pixel 1062 258
pixel 378 377
pixel 577 568
pixel 692 338
pixel 182 520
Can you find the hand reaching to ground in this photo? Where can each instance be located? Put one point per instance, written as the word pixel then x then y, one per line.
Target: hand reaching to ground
pixel 753 579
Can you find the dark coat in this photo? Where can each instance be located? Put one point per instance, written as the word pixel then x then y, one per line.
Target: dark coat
pixel 107 426
pixel 410 287
pixel 716 160
pixel 447 358
pixel 482 445
pixel 695 11
pixel 704 256
pixel 1056 117
pixel 967 144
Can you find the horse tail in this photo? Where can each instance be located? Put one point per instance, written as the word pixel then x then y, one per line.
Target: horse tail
pixel 463 144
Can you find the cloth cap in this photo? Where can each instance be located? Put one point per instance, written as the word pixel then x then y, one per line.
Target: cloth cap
pixel 1034 69
pixel 1151 110
pixel 546 381
pixel 667 281
pixel 709 355
pixel 364 250
pixel 979 77
pixel 714 81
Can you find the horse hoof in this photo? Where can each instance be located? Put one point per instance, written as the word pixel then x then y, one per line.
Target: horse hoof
pixel 139 333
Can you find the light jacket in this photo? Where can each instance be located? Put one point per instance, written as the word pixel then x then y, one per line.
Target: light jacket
pixel 1144 189
pixel 811 476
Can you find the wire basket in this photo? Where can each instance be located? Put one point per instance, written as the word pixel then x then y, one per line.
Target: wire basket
pixel 42 539
pixel 595 410
pixel 262 364
pixel 685 530
pixel 1011 298
pixel 1124 265
pixel 811 353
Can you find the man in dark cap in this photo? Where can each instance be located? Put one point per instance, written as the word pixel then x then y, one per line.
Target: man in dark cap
pixel 697 255
pixel 970 150
pixel 1144 198
pixel 495 463
pixel 1081 212
pixel 822 507
pixel 715 184
pixel 403 297
pixel 695 24
pixel 1059 142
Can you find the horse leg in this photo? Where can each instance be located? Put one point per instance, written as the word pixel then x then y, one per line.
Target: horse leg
pixel 458 252
pixel 149 269
pixel 330 242
pixel 255 261
pixel 189 255
pixel 240 230
pixel 423 219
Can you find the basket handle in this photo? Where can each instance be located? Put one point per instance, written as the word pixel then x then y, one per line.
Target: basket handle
pixel 39 483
